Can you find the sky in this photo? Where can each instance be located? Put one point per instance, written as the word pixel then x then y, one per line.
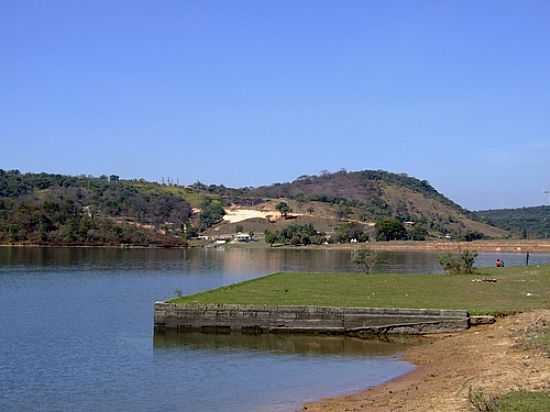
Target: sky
pixel 249 92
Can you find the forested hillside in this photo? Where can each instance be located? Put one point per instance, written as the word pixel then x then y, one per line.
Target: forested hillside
pixel 525 222
pixel 56 209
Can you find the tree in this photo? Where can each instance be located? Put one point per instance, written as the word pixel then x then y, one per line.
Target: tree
pixel 342 211
pixel 295 235
pixel 87 210
pixel 212 212
pixel 458 264
pixel 468 260
pixel 270 237
pixel 418 233
pixel 348 231
pixel 366 259
pixel 364 217
pixel 283 208
pixel 390 229
pixel 471 236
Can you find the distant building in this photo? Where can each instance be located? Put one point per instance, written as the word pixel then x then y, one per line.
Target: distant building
pixel 243 237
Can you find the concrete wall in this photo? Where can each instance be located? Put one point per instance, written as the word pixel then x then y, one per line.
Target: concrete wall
pixel 213 318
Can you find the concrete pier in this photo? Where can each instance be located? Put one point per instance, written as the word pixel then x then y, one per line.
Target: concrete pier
pixel 227 318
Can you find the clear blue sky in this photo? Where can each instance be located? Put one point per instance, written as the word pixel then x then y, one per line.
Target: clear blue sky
pixel 252 92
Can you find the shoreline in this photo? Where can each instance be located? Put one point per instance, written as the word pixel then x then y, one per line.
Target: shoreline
pixel 488 358
pixel 34 245
pixel 506 246
pixel 503 246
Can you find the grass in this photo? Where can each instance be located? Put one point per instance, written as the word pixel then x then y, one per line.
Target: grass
pixel 193 197
pixel 538 337
pixel 524 402
pixel 516 290
pixel 518 401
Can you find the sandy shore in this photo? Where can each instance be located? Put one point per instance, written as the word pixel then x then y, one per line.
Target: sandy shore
pixel 489 358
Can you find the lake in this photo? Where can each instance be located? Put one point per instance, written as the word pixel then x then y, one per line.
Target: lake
pixel 76 333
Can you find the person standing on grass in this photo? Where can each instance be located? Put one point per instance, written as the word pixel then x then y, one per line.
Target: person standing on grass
pixel 527 259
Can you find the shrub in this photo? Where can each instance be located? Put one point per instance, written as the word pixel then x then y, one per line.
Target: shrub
pixel 458 264
pixel 348 231
pixel 482 402
pixel 294 235
pixel 270 237
pixel 471 236
pixel 212 212
pixel 283 208
pixel 390 229
pixel 418 233
pixel 365 258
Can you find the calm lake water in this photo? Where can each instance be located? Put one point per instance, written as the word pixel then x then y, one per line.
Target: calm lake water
pixel 76 333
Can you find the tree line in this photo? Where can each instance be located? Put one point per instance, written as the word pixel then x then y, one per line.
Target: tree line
pixel 45 208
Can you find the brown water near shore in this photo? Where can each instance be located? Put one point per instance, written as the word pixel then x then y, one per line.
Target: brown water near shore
pixel 488 358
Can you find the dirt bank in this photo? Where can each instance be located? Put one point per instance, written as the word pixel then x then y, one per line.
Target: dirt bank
pixel 489 358
pixel 519 246
pixel 481 246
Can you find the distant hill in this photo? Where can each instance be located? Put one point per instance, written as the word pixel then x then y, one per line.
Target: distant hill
pixel 526 222
pixel 42 208
pixel 366 196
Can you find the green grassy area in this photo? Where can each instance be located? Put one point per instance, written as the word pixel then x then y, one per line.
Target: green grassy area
pixel 518 401
pixel 516 290
pixel 539 338
pixel 193 197
pixel 524 402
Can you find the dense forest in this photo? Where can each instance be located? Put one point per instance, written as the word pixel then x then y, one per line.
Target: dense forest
pixel 526 222
pixel 56 209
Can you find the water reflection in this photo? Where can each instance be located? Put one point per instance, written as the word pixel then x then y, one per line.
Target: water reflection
pixel 232 262
pixel 285 344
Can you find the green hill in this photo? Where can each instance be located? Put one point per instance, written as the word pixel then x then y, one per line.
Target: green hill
pixel 525 222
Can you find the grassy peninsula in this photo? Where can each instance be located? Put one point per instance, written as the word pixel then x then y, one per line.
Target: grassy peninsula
pixel 515 290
